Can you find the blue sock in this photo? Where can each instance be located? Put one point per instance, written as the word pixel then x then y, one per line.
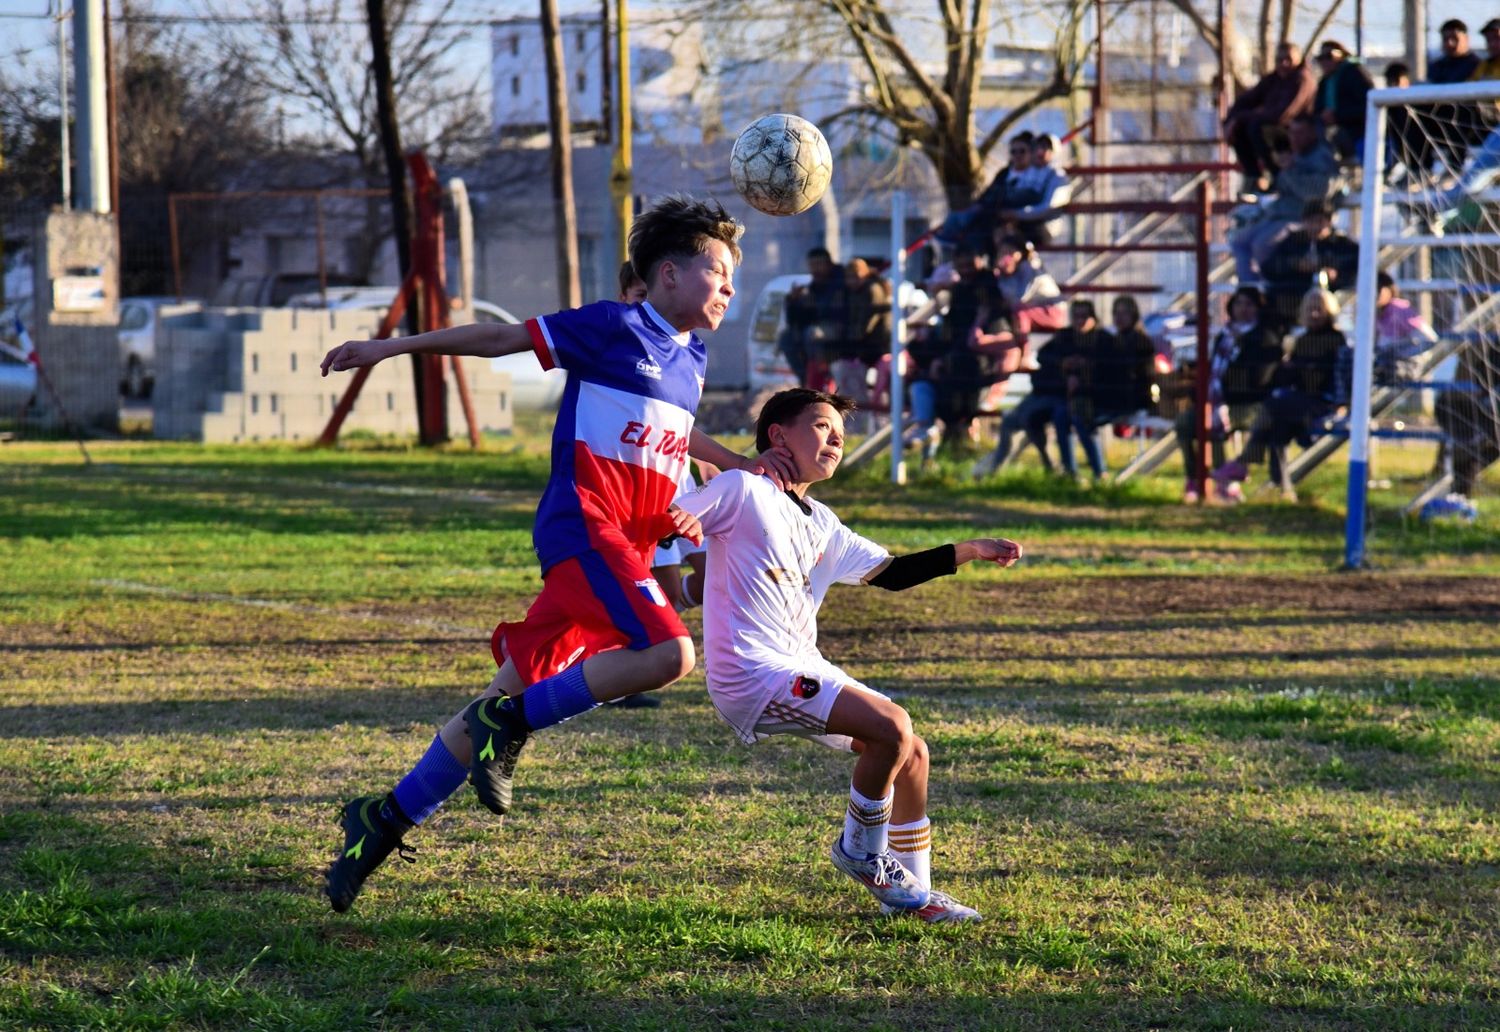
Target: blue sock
pixel 557 698
pixel 436 776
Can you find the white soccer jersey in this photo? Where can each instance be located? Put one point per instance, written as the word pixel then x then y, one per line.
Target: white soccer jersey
pixel 771 559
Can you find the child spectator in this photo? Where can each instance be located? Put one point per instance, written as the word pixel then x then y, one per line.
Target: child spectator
pixel 1401 334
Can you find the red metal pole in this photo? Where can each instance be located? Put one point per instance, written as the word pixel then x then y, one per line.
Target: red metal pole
pixel 426 259
pixel 176 248
pixel 387 327
pixel 1200 386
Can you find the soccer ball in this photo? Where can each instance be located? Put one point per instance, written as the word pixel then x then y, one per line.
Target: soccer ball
pixel 781 164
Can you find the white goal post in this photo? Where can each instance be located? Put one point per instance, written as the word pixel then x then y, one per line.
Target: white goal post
pixel 1400 226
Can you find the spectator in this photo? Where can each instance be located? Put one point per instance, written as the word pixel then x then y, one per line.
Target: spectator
pixel 1458 62
pixel 1030 293
pixel 1308 385
pixel 815 314
pixel 1340 101
pixel 1259 116
pixel 1401 334
pixel 1310 172
pixel 1405 143
pixel 1243 355
pixel 1049 391
pixel 1312 255
pixel 975 224
pixel 867 330
pixel 1471 419
pixel 1083 342
pixel 1489 68
pixel 1123 371
pixel 1031 205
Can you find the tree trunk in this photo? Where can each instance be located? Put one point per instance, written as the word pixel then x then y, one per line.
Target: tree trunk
pixel 562 159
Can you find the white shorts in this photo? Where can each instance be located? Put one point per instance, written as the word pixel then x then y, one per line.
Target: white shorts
pixel 798 700
pixel 669 555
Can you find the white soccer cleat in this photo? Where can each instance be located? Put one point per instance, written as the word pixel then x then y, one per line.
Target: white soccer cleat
pixel 883 875
pixel 940 907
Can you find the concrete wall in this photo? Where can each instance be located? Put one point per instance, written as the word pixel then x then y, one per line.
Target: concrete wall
pixel 79 351
pixel 236 375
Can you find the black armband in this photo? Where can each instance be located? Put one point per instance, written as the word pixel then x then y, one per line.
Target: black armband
pixel 907 571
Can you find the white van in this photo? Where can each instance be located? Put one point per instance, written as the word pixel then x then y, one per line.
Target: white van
pixel 767 365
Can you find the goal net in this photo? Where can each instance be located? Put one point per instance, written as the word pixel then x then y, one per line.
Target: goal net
pixel 1427 361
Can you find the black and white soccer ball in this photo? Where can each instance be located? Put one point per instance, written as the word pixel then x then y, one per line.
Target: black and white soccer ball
pixel 781 164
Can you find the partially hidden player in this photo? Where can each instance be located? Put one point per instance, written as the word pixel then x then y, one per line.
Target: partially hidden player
pixel 600 629
pixel 772 555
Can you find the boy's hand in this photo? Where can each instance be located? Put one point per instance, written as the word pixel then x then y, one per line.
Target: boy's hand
pixel 353 354
pixel 995 550
pixel 685 524
pixel 775 463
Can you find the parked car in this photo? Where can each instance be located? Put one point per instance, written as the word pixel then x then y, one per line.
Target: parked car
pixel 18 384
pixel 532 387
pixel 274 290
pixel 138 321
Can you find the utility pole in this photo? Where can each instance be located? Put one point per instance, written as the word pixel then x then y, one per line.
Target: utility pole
pixel 562 158
pixel 93 111
pixel 621 187
pixel 62 100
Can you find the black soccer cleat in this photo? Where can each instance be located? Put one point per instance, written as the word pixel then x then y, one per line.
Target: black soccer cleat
pixel 369 838
pixel 497 734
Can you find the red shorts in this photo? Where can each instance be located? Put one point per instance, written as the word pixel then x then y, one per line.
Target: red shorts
pixel 591 603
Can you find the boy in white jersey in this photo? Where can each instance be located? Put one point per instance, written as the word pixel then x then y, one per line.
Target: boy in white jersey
pixel 772 556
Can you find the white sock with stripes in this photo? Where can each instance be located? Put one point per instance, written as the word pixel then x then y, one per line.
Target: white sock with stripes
pixel 912 845
pixel 865 823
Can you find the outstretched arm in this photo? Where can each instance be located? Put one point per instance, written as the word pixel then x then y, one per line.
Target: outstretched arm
pixel 907 571
pixel 775 463
pixel 482 340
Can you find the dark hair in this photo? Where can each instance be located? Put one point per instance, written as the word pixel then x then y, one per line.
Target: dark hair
pixel 1332 46
pixel 1395 70
pixel 1010 243
pixel 677 228
pixel 1130 302
pixel 1306 120
pixel 1383 279
pixel 1043 141
pixel 819 252
pixel 628 278
pixel 1249 293
pixel 784 406
pixel 1454 25
pixel 1086 305
pixel 1317 206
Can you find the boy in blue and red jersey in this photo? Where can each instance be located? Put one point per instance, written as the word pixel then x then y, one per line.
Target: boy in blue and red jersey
pixel 601 629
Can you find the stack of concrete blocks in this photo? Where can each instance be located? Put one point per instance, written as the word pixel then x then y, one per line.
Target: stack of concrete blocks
pixel 232 375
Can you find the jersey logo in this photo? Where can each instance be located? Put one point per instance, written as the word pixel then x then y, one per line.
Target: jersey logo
pixel 648 367
pixel 805 687
pixel 652 591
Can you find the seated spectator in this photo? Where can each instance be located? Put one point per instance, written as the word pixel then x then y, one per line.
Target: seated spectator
pixel 1083 341
pixel 1310 173
pixel 1308 385
pixel 1049 390
pixel 1243 355
pixel 1311 255
pixel 1032 203
pixel 815 314
pixel 1489 67
pixel 1259 116
pixel 975 225
pixel 1340 100
pixel 1123 371
pixel 867 330
pixel 1031 295
pixel 1401 334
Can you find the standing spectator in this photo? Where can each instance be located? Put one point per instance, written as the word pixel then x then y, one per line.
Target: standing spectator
pixel 1311 173
pixel 1259 116
pixel 1401 334
pixel 815 315
pixel 1083 342
pixel 1457 64
pixel 1312 255
pixel 961 374
pixel 1243 356
pixel 1049 390
pixel 1405 144
pixel 1309 384
pixel 1340 100
pixel 1032 204
pixel 1471 419
pixel 1123 369
pixel 867 332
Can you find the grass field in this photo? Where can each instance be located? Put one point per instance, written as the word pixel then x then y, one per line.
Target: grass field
pixel 1193 775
